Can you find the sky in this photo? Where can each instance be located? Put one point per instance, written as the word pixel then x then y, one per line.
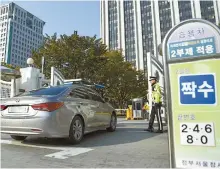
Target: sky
pixel 64 17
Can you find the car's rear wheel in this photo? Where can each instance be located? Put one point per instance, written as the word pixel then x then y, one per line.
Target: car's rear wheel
pixel 76 130
pixel 20 138
pixel 113 123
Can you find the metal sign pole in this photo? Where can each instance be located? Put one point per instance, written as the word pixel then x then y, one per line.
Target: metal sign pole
pixel 42 65
pixel 168 109
pixel 149 70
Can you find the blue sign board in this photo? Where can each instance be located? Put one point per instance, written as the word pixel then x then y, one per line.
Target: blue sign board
pixel 192 48
pixel 197 89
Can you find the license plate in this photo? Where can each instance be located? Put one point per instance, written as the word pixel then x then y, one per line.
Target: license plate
pixel 18 109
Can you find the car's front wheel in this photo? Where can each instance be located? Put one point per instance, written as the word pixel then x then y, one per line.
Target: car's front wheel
pixel 20 138
pixel 113 123
pixel 76 130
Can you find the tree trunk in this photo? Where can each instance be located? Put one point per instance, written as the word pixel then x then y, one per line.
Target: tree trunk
pixel 75 75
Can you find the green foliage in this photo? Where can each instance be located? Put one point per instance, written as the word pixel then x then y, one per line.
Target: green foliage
pixel 6 77
pixel 88 58
pixel 121 80
pixel 10 66
pixel 78 51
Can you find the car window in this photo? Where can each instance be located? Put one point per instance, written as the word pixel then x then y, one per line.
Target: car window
pixel 80 93
pixel 95 96
pixel 133 105
pixel 53 91
pixel 138 106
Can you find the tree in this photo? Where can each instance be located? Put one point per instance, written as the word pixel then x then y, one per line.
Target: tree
pixel 8 77
pixel 10 66
pixel 70 53
pixel 121 81
pixel 86 57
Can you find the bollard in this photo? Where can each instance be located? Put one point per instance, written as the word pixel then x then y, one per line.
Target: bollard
pixel 129 114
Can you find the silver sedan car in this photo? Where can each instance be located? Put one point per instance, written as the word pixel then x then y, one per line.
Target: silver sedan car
pixel 67 111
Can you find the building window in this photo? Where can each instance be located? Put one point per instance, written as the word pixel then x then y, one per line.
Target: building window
pixel 185 10
pixel 130 52
pixel 146 18
pixel 165 17
pixel 113 26
pixel 207 11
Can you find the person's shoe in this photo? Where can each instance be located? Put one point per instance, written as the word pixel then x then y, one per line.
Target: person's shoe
pixel 159 131
pixel 149 130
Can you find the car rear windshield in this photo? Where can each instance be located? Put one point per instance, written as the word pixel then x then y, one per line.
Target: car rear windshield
pixel 45 91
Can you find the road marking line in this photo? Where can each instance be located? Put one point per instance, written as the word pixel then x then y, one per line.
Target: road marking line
pixel 18 143
pixel 65 153
pixel 68 153
pixel 136 131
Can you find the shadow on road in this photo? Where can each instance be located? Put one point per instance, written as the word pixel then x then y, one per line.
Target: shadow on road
pixel 122 135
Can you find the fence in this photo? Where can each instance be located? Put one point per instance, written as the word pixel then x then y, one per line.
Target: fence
pixel 121 112
pixel 56 77
pixel 11 88
pixel 7 89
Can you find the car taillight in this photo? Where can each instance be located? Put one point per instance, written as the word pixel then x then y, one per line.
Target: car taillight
pixel 3 107
pixel 51 106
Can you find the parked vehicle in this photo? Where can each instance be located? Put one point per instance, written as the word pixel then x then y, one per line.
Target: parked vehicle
pixel 61 111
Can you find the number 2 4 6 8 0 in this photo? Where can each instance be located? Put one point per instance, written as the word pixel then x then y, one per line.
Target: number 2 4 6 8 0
pixel 208 128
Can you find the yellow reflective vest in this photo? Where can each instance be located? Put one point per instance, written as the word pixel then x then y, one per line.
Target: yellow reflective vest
pixel 156 93
pixel 145 107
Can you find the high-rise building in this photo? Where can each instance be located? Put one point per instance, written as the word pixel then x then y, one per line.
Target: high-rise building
pixel 20 33
pixel 138 27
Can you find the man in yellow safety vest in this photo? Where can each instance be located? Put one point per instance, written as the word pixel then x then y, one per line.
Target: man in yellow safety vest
pixel 156 106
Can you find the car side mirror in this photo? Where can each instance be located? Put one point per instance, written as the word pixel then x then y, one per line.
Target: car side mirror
pixel 21 90
pixel 71 94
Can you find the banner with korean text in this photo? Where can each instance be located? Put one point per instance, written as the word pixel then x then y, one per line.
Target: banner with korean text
pixel 193 48
pixel 192 68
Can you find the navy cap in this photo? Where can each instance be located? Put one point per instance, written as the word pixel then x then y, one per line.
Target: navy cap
pixel 152 78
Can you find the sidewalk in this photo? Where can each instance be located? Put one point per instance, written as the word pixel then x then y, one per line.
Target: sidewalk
pixel 123 120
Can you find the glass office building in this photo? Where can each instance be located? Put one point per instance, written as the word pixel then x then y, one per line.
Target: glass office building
pixel 138 27
pixel 20 33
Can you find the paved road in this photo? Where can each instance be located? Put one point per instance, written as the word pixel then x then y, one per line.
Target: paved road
pixel 129 147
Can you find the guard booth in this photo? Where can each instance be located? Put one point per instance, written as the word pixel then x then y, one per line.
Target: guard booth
pixel 137 105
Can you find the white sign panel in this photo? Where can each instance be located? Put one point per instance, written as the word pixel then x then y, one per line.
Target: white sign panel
pixel 197 134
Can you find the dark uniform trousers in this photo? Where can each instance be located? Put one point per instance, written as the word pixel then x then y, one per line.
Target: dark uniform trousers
pixel 156 111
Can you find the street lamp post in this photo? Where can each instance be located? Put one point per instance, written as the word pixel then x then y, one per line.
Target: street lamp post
pixel 30 62
pixel 42 64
